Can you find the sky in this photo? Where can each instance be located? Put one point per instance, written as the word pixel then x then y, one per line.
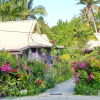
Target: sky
pixel 59 9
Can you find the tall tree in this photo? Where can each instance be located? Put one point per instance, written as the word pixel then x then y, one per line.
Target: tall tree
pixel 73 34
pixel 12 9
pixel 89 9
pixel 19 9
pixel 43 26
pixel 98 19
pixel 34 11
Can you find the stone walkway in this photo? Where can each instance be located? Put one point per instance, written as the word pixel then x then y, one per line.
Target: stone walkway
pixel 66 87
pixel 62 91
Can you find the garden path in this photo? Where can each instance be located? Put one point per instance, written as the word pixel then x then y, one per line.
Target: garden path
pixel 66 87
pixel 62 91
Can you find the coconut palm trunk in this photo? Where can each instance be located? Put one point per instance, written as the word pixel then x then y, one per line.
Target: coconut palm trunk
pixel 95 27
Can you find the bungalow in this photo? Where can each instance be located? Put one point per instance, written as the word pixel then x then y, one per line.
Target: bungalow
pixel 91 44
pixel 23 38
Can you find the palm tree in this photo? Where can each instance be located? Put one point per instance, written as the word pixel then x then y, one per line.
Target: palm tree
pixel 89 9
pixel 98 19
pixel 19 9
pixel 12 9
pixel 43 25
pixel 84 17
pixel 36 11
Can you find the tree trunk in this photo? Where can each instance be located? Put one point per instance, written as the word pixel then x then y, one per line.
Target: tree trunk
pixel 94 19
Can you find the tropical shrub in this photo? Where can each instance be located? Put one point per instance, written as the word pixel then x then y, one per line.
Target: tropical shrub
pixel 63 70
pixel 19 77
pixel 87 74
pixel 73 34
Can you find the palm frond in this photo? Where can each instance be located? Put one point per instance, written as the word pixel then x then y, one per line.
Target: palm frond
pixel 40 10
pixel 30 4
pixel 88 2
pixel 96 2
pixel 80 3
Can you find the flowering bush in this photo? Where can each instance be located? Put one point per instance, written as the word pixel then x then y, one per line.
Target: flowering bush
pixel 18 77
pixel 87 74
pixel 5 68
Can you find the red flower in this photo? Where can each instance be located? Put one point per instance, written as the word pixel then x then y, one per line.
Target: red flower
pixel 9 64
pixel 91 76
pixel 19 75
pixel 39 82
pixel 57 58
pixel 14 70
pixel 18 64
pixel 53 41
pixel 46 68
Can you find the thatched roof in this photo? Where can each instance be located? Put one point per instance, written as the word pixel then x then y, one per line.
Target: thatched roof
pixel 92 44
pixel 20 35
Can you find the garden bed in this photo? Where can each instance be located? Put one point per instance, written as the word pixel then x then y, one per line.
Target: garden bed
pixel 19 77
pixel 87 74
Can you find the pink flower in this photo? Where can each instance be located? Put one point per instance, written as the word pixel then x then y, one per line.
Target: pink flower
pixel 46 68
pixel 25 67
pixel 74 67
pixel 45 59
pixel 83 65
pixel 5 68
pixel 49 65
pixel 76 80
